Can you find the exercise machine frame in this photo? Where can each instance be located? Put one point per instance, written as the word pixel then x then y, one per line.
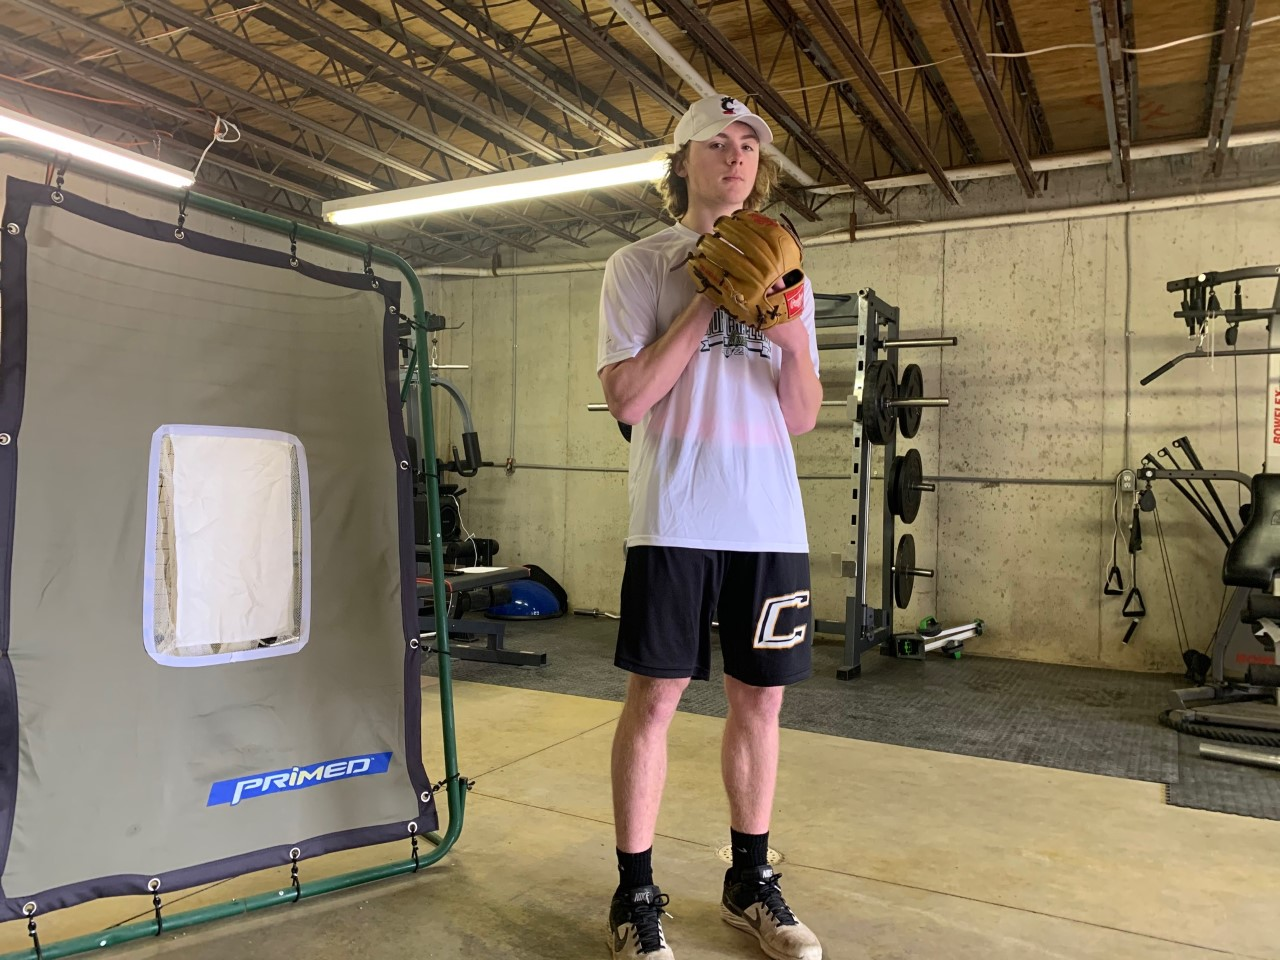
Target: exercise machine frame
pixel 1215 701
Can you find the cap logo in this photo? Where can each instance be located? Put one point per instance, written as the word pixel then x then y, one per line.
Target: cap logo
pixel 727 105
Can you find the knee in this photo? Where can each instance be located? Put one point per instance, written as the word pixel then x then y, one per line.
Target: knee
pixel 653 701
pixel 753 703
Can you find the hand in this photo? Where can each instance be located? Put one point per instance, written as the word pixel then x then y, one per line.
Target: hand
pixel 790 336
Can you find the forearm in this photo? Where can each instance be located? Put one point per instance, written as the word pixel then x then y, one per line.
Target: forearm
pixel 633 386
pixel 799 392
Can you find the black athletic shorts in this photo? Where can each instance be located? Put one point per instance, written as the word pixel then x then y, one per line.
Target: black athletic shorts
pixel 671 595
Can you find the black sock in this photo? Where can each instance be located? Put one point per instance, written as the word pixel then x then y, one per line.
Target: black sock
pixel 749 849
pixel 635 869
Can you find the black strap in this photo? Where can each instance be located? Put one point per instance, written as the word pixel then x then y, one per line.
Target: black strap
pixel 1134 605
pixel 1115 582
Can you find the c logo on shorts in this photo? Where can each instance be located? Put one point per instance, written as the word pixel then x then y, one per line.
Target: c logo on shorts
pixel 767 637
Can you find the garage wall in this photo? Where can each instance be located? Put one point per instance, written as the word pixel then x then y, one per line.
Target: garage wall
pixel 1040 385
pixel 1057 322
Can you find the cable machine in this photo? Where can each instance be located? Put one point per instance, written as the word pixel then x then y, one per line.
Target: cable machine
pixel 1221 706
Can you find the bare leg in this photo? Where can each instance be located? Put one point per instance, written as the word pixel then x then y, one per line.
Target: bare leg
pixel 640 758
pixel 749 754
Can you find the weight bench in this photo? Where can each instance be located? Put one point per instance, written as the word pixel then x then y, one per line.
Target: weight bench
pixel 461 581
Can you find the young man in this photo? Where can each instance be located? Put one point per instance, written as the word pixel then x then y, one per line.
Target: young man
pixel 717 527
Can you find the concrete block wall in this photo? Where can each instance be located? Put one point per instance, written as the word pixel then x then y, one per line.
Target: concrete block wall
pixel 1057 322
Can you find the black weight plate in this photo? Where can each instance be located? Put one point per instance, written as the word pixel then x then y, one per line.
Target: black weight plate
pixel 911 387
pixel 903 562
pixel 878 418
pixel 907 476
pixel 892 491
pixel 625 430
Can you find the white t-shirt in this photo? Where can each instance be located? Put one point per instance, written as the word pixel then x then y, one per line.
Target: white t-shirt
pixel 712 465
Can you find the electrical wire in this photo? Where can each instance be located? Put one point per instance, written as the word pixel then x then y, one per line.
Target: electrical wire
pixel 468 536
pixel 223 132
pixel 1020 54
pixel 66 93
pixel 1235 370
pixel 1117 535
pixel 229 14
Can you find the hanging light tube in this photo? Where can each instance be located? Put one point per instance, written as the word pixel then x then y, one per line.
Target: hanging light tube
pixel 529 183
pixel 80 147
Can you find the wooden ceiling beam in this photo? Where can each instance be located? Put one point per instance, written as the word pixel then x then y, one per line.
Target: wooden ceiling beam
pixel 578 26
pixel 509 46
pixel 866 72
pixel 278 111
pixel 1024 84
pixel 321 35
pixel 966 33
pixel 690 19
pixel 1117 96
pixel 918 53
pixel 1225 76
pixel 810 46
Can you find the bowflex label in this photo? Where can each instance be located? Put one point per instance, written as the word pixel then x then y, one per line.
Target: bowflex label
pixel 1275 418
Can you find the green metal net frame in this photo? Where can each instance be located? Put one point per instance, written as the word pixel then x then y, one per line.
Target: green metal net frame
pixel 455 791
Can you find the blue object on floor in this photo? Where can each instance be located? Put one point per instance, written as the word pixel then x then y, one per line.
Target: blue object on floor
pixel 530 600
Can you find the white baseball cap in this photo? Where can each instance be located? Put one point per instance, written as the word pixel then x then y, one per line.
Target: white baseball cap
pixel 707 117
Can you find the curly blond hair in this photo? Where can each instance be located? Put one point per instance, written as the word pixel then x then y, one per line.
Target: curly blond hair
pixel 674 189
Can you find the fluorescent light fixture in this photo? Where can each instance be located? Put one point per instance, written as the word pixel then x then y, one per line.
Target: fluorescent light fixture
pixel 94 151
pixel 571 176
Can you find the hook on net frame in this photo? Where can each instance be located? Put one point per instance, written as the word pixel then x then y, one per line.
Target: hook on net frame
pixel 180 233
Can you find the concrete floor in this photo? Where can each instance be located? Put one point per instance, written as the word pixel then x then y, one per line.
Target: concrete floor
pixel 888 853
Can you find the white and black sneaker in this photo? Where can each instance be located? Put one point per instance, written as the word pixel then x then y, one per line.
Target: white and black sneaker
pixel 753 902
pixel 635 924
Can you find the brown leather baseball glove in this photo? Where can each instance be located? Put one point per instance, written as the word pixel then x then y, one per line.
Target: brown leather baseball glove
pixel 737 265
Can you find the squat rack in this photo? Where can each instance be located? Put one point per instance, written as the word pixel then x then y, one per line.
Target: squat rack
pixel 876 406
pixel 453 784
